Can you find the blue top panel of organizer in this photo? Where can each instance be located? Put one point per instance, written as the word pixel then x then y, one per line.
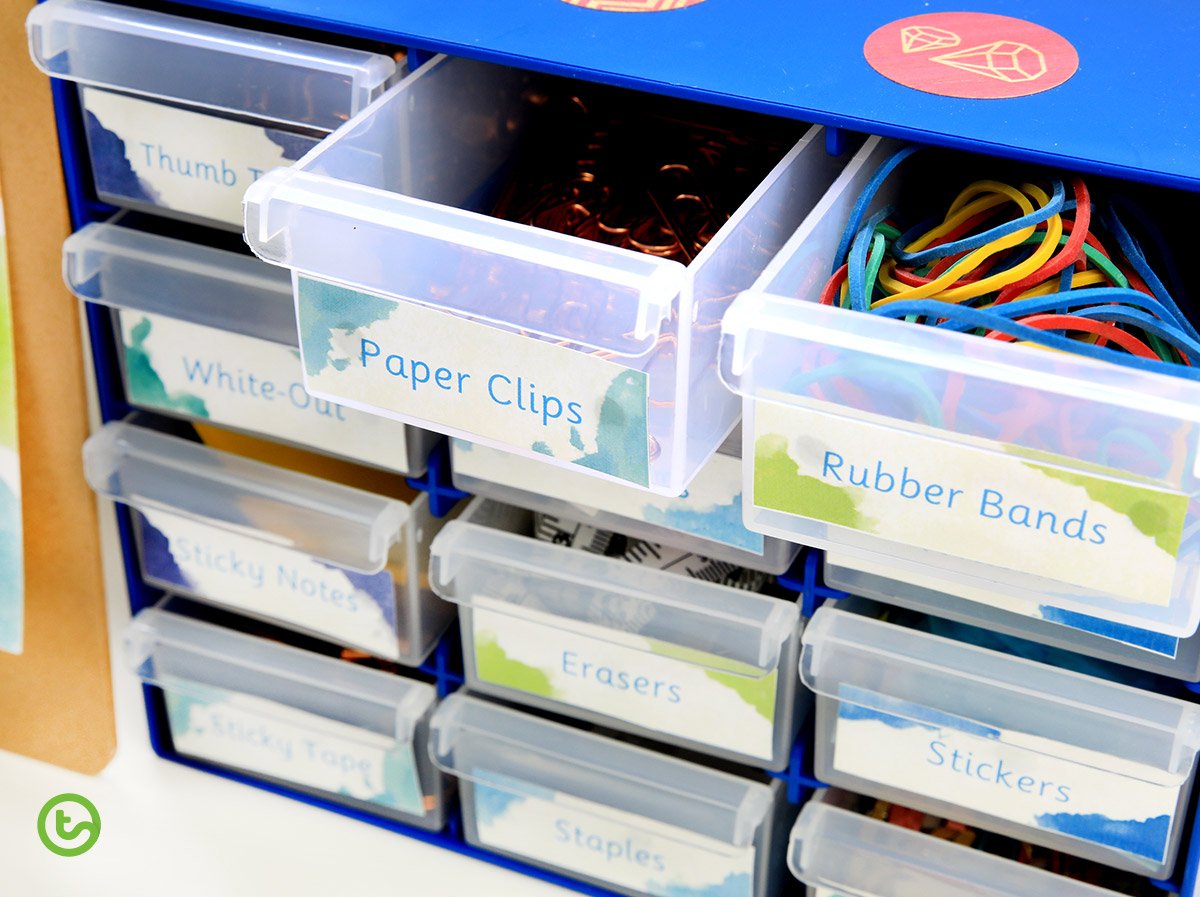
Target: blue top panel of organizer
pixel 1131 110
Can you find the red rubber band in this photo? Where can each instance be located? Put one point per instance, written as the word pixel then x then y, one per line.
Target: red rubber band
pixel 1122 338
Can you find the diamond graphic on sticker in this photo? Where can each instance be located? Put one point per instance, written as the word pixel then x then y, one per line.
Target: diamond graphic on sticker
pixel 1004 60
pixel 633 5
pixel 922 38
pixel 973 55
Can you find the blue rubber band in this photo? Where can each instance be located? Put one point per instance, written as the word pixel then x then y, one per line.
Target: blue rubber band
pixel 857 273
pixel 1064 303
pixel 864 201
pixel 1133 252
pixel 975 241
pixel 859 368
pixel 978 318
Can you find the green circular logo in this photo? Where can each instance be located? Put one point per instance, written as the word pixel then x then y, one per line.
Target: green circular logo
pixel 69 824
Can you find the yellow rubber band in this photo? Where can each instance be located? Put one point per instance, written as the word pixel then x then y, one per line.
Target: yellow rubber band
pixel 941 288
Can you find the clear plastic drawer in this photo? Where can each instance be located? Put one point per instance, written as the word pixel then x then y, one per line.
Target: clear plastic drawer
pixel 182 115
pixel 416 305
pixel 604 812
pixel 341 732
pixel 210 335
pixel 984 465
pixel 706 519
pixel 316 556
pixel 1046 755
pixel 654 652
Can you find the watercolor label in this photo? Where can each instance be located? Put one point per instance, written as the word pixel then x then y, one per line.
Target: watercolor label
pixel 1034 781
pixel 247 383
pixel 613 846
pixel 199 165
pixel 12 553
pixel 657 686
pixel 1134 636
pixel 262 578
pixel 983 506
pixel 420 365
pixel 710 509
pixel 272 739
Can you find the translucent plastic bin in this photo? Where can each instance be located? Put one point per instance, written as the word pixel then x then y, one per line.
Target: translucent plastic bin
pixel 416 306
pixel 313 555
pixel 706 519
pixel 341 732
pixel 210 335
pixel 1076 763
pixel 840 853
pixel 605 812
pixel 984 465
pixel 1128 645
pixel 182 115
pixel 647 651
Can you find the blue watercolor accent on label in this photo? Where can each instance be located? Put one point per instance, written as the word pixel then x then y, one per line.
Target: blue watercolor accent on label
pixel 860 703
pixel 492 803
pixel 110 164
pixel 720 523
pixel 12 581
pixel 293 145
pixel 736 884
pixel 157 560
pixel 1143 838
pixel 1130 635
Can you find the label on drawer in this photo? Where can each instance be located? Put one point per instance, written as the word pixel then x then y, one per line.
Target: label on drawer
pixel 1135 637
pixel 272 739
pixel 711 508
pixel 922 491
pixel 652 684
pixel 247 383
pixel 614 846
pixel 268 580
pixel 419 364
pixel 1022 778
pixel 189 162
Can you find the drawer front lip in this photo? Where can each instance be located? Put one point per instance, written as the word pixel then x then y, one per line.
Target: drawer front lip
pixel 204 64
pixel 474 565
pixel 142 468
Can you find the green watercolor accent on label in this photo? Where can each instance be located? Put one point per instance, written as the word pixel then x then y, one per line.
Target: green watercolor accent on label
pixel 1159 515
pixel 779 486
pixel 146 387
pixel 750 684
pixel 495 666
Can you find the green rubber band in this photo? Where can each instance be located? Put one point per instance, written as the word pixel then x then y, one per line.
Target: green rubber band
pixel 874 261
pixel 1097 258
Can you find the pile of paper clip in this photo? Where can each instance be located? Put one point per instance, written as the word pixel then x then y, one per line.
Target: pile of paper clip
pixel 1023 263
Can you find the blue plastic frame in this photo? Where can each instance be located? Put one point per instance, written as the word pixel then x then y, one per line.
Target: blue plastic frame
pixel 444 665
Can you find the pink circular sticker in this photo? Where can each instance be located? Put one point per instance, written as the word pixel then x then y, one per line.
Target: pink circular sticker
pixel 974 55
pixel 633 5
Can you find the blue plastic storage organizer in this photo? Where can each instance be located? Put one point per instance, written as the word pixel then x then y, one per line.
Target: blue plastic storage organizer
pixel 760 56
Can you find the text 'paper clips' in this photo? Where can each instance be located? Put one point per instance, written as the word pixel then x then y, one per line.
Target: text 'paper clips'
pixel 1037 263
